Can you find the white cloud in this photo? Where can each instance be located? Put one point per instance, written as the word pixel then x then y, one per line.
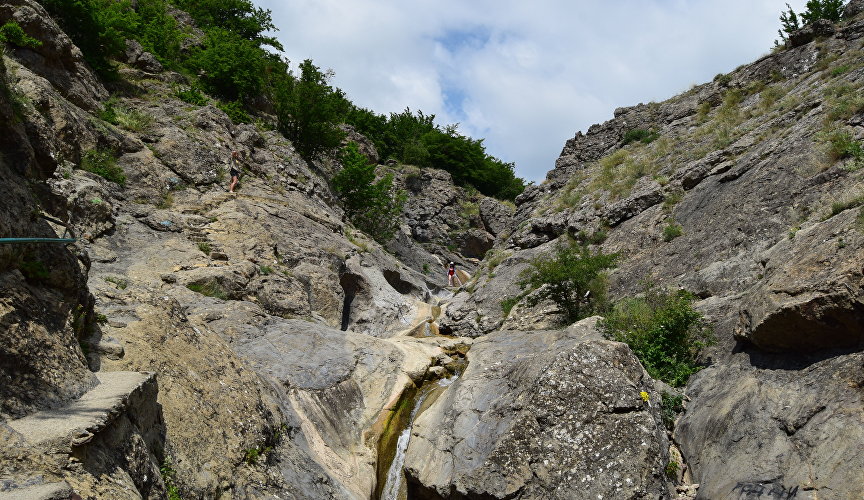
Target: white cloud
pixel 523 75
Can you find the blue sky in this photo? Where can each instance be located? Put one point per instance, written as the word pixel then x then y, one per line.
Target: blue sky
pixel 525 76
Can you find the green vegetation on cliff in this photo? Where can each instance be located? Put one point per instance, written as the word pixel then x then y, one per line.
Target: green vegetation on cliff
pixel 664 330
pixel 228 57
pixel 373 206
pixel 573 277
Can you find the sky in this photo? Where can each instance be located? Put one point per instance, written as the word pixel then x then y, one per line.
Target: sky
pixel 525 76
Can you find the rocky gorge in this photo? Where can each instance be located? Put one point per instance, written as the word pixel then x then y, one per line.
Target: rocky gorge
pixel 195 343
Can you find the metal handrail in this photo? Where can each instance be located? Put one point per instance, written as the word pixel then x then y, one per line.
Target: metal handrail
pixel 37 240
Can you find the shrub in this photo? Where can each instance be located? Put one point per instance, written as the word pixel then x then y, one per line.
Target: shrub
pixel 641 135
pixel 508 304
pixel 670 407
pixel 671 231
pixel 204 247
pixel 235 111
pixel 34 270
pixel 831 10
pixel 101 162
pixel 374 207
pixel 210 289
pixel 572 277
pixel 120 283
pixel 841 144
pixel 672 469
pixel 169 478
pixel 840 206
pixel 309 110
pixel 122 116
pixel 11 32
pixel 664 332
pixel 191 95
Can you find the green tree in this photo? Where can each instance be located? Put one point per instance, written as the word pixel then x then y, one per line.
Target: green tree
pixel 664 331
pixel 374 207
pixel 230 66
pixel 572 276
pixel 240 17
pixel 831 10
pixel 309 110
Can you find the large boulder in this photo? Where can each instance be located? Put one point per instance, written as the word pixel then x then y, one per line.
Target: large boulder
pixel 547 414
pixel 772 426
pixel 812 293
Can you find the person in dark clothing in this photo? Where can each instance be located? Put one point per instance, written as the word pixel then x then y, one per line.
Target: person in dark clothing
pixel 235 170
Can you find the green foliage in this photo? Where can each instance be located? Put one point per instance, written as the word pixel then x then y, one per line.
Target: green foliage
pixel 840 70
pixel 265 270
pixel 842 144
pixel 98 27
pixel 620 170
pixel 374 207
pixel 640 135
pixel 815 10
pixel 508 304
pixel 11 32
pixel 670 407
pixel 209 289
pixel 191 94
pixel 169 476
pixel 842 102
pixel 672 231
pixel 123 116
pixel 102 162
pixel 672 469
pixel 566 275
pixel 309 110
pixel 843 205
pixel 831 10
pixel 204 247
pixel 120 283
pixel 230 66
pixel 235 111
pixel 414 138
pixel 663 330
pixel 237 16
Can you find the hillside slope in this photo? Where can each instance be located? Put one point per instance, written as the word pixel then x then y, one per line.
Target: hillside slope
pixel 254 344
pixel 749 192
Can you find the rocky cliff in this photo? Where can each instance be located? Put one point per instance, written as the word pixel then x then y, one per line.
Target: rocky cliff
pixel 254 344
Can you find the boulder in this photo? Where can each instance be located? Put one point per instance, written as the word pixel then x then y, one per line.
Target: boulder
pixel 771 426
pixel 812 293
pixel 139 58
pixel 546 414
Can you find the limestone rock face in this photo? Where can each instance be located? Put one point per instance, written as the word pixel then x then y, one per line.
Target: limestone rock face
pixel 545 414
pixel 812 296
pixel 756 425
pixel 58 59
pixel 763 226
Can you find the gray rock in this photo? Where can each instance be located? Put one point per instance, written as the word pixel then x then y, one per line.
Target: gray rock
pixel 138 57
pixel 820 27
pixel 542 415
pixel 755 428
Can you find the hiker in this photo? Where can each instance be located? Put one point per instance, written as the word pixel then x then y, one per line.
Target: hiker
pixel 235 170
pixel 451 275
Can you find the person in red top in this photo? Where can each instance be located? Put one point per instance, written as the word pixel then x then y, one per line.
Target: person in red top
pixel 451 274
